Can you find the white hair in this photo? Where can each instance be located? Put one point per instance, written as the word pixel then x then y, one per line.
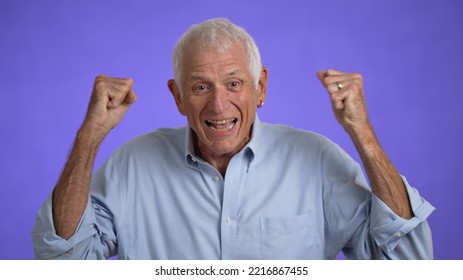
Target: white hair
pixel 218 34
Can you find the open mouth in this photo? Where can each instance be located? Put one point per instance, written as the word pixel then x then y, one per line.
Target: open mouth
pixel 221 125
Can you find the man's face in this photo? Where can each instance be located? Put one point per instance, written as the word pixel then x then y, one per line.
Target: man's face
pixel 219 99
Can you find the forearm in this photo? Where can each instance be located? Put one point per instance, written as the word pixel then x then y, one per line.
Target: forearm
pixel 70 195
pixel 110 100
pixel 386 182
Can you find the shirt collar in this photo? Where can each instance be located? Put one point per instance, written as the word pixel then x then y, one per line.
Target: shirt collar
pixel 251 148
pixel 190 158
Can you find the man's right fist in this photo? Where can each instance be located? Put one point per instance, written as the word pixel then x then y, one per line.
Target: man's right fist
pixel 110 100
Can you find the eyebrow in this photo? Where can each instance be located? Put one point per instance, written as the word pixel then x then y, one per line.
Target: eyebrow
pixel 234 72
pixel 198 77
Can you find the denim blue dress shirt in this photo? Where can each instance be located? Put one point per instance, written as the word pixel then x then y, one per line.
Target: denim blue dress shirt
pixel 288 194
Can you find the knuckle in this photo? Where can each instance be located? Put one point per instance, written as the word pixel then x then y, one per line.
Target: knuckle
pixel 357 76
pixel 100 77
pixel 329 80
pixel 100 80
pixel 124 84
pixel 330 71
pixel 99 86
pixel 129 81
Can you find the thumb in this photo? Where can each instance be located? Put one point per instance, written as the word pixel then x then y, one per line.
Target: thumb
pixel 321 76
pixel 130 98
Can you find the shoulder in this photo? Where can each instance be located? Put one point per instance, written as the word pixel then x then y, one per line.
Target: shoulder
pixel 284 135
pixel 142 158
pixel 161 141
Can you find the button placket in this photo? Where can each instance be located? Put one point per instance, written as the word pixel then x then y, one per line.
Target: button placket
pixel 229 223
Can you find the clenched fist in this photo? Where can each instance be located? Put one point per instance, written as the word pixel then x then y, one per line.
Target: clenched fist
pixel 110 100
pixel 347 99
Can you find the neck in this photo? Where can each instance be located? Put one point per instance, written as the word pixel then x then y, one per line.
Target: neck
pixel 217 160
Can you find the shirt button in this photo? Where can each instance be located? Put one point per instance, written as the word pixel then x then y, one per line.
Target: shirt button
pixel 228 220
pixel 398 234
pixel 216 178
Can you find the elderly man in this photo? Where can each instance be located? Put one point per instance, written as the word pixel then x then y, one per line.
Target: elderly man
pixel 227 186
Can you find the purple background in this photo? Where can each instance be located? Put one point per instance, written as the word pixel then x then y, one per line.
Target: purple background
pixel 409 52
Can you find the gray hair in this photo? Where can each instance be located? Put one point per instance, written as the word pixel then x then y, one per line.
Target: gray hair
pixel 219 34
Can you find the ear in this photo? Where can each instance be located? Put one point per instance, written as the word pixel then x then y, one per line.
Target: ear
pixel 177 96
pixel 262 85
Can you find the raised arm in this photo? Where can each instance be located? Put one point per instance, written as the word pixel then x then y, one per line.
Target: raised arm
pixel 348 103
pixel 110 100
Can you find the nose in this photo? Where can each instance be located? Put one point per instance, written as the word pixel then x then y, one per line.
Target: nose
pixel 218 100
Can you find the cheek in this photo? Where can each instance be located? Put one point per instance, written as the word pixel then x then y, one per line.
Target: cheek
pixel 250 102
pixel 247 99
pixel 193 109
pixel 248 112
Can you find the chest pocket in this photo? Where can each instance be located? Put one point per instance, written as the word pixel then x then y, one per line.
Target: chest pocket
pixel 290 238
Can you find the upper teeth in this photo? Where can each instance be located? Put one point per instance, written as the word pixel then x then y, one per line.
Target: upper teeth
pixel 221 121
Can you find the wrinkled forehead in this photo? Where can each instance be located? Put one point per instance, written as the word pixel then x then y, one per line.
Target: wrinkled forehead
pixel 214 45
pixel 197 54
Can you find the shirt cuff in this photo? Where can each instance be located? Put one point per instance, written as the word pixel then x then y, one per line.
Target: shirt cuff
pixel 49 245
pixel 387 228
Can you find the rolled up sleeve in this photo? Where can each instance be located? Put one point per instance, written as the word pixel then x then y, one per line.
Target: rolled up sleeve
pixel 400 238
pixel 84 244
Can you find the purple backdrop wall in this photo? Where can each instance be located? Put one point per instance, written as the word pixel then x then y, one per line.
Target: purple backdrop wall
pixel 410 53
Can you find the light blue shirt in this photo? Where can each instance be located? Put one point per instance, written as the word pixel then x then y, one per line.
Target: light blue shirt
pixel 288 194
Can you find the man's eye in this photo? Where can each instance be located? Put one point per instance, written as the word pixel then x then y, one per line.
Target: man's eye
pixel 234 84
pixel 200 88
